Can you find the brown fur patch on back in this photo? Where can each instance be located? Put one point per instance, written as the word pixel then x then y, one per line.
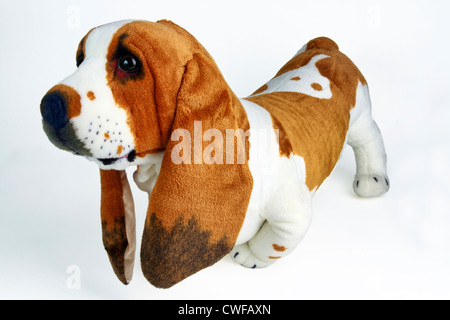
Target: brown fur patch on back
pixel 316 86
pixel 338 67
pixel 262 89
pixel 283 140
pixel 314 128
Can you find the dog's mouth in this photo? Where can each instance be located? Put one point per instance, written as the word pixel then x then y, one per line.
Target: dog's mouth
pixel 131 156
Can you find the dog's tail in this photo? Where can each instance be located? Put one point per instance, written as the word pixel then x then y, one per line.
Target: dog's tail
pixel 320 43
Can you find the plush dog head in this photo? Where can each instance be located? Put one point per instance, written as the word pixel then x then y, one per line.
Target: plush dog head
pixel 135 84
pixel 120 103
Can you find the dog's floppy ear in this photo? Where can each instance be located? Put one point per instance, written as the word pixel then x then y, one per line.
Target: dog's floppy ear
pixel 197 207
pixel 118 222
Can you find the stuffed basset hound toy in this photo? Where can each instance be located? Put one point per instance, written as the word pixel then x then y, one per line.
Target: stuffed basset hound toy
pixel 224 175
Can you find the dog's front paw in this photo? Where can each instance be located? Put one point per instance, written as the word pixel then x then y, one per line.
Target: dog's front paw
pixel 243 255
pixel 370 185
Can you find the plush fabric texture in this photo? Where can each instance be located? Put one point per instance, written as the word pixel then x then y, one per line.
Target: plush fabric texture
pixel 149 95
pixel 315 129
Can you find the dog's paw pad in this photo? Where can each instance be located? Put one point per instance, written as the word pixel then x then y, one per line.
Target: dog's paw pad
pixel 243 255
pixel 370 185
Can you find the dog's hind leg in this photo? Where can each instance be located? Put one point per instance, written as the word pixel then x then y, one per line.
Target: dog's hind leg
pixel 364 137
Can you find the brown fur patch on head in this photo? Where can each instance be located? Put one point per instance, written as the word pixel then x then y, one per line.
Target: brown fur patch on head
pixel 149 98
pixel 81 50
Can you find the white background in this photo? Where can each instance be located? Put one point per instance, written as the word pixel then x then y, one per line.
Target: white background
pixel 393 247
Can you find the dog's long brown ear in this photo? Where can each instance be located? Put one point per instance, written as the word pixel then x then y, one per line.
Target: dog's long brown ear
pixel 118 222
pixel 197 209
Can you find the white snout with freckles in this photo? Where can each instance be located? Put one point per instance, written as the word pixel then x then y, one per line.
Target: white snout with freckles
pixel 102 125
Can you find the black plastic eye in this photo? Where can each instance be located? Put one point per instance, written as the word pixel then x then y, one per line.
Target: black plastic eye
pixel 128 64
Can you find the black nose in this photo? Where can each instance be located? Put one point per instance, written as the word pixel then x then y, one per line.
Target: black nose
pixel 54 110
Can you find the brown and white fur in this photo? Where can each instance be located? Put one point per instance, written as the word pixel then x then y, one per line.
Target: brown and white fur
pixel 257 210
